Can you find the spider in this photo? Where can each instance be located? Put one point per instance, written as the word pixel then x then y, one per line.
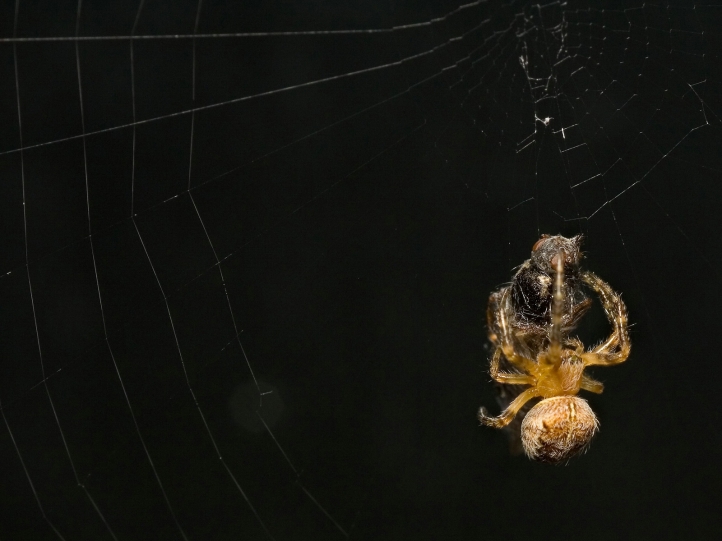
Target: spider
pixel 544 358
pixel 531 295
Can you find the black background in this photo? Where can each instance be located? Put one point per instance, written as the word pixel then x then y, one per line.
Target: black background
pixel 355 227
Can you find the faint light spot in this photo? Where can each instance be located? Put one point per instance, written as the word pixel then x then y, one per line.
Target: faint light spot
pixel 246 404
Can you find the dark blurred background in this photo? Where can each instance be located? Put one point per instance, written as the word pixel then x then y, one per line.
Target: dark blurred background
pixel 250 301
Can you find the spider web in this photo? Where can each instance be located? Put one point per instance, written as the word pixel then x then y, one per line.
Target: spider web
pixel 247 251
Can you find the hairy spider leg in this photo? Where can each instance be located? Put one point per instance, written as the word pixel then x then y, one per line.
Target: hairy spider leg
pixel 507 416
pixel 616 348
pixel 554 353
pixel 577 312
pixel 507 348
pixel 590 384
pixel 587 382
pixel 507 338
pixel 610 343
pixel 506 377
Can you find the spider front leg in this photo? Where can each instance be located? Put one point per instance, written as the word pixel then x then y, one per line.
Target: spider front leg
pixel 616 348
pixel 507 416
pixel 577 312
pixel 608 345
pixel 506 377
pixel 506 338
pixel 554 352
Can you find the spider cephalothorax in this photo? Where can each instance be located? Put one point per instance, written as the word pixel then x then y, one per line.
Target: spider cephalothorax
pixel 543 357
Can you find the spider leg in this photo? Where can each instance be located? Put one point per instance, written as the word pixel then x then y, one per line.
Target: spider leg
pixel 591 384
pixel 554 355
pixel 616 348
pixel 576 313
pixel 506 377
pixel 507 416
pixel 491 315
pixel 507 338
pixel 608 345
pixel 575 344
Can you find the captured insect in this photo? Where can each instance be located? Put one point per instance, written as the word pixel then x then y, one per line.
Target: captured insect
pixel 530 322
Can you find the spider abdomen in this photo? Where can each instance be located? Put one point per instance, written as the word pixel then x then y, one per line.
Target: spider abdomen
pixel 558 428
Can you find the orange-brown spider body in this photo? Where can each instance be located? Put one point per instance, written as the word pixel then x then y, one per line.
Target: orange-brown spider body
pixel 542 356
